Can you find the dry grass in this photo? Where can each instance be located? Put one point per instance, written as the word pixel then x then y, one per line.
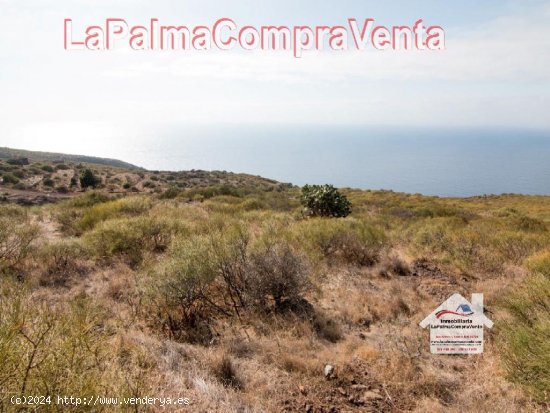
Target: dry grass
pixel 264 300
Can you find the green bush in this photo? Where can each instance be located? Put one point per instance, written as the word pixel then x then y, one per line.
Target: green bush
pixel 179 294
pixel 130 206
pixel 82 213
pixel 130 238
pixel 170 193
pixel 253 204
pixel 7 168
pixel 18 161
pixel 48 182
pixel 19 174
pixel 203 276
pixel 88 200
pixel 88 179
pixel 324 201
pixel 9 178
pixel 70 212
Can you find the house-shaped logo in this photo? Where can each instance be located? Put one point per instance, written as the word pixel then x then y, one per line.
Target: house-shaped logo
pixel 456 326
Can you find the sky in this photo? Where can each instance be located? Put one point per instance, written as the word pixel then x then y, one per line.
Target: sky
pixel 493 74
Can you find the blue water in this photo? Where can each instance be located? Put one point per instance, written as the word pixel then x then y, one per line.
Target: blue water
pixel 432 162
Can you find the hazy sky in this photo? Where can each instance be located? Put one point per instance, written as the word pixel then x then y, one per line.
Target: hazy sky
pixel 494 73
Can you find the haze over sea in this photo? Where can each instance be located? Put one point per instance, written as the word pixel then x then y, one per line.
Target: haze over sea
pixel 431 162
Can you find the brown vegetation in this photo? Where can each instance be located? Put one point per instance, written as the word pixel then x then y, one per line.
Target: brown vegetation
pixel 228 296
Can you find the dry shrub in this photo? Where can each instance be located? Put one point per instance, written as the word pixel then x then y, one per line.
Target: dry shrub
pixel 16 236
pixel 241 348
pixel 215 275
pixel 366 352
pixel 442 390
pixel 61 350
pixel 60 261
pixel 529 224
pixel 277 275
pixel 351 249
pixel 393 303
pixel 524 335
pixel 326 328
pixel 486 246
pixel 401 307
pixel 396 266
pixel 410 383
pixel 223 369
pixel 121 288
pixel 293 364
pixel 349 240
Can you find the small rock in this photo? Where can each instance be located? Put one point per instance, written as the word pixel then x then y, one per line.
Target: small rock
pixel 329 371
pixel 309 408
pixel 342 391
pixel 359 387
pixel 302 389
pixel 362 336
pixel 356 401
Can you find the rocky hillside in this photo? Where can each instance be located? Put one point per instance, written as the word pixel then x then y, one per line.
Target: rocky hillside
pixel 38 177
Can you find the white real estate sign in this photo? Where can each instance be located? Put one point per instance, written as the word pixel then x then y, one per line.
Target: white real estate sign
pixel 456 326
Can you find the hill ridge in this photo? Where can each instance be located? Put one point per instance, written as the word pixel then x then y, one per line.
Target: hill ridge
pixel 8 153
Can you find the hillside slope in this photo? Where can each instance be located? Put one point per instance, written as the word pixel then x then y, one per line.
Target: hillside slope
pixel 36 156
pixel 38 177
pixel 222 292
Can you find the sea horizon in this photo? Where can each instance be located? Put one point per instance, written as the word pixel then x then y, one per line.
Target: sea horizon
pixel 437 162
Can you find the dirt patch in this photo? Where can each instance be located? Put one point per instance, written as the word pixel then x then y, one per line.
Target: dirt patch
pixel 50 229
pixel 24 197
pixel 422 267
pixel 351 389
pixel 437 282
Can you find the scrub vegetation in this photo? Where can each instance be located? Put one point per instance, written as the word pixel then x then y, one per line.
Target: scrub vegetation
pixel 227 289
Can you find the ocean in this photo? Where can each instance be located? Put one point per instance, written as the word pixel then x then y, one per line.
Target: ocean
pixel 443 162
pixel 431 162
